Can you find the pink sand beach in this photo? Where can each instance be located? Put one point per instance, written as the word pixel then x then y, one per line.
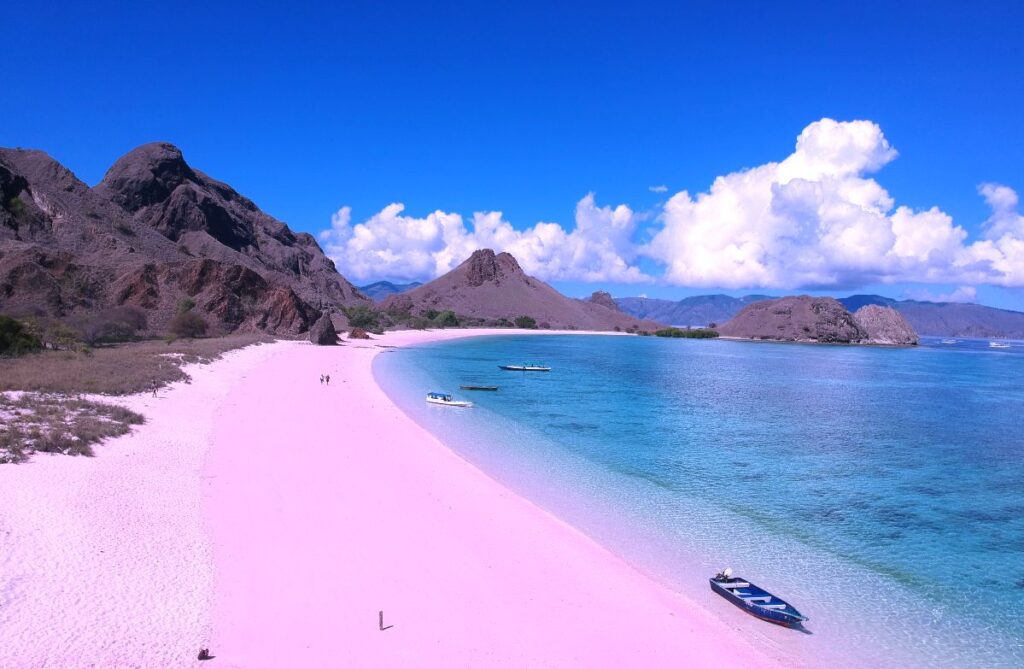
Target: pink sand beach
pixel 271 518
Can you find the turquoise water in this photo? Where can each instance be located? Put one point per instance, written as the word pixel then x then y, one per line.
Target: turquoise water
pixel 881 491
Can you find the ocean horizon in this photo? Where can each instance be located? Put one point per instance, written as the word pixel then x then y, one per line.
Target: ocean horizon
pixel 879 490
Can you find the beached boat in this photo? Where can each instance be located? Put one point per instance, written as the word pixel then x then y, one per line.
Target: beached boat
pixel 447 400
pixel 949 341
pixel 479 387
pixel 998 344
pixel 528 367
pixel 756 601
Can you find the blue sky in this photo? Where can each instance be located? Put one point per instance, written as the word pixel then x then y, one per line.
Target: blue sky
pixel 526 109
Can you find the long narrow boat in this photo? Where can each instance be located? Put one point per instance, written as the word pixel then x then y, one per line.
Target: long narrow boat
pixel 756 601
pixel 531 367
pixel 478 387
pixel 998 344
pixel 447 400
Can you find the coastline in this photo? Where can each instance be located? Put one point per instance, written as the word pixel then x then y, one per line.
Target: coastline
pixel 315 508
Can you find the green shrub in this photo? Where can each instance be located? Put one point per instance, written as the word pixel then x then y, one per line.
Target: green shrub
pixel 447 319
pixel 188 325
pixel 526 323
pixel 185 305
pixel 363 317
pixel 15 338
pixel 679 333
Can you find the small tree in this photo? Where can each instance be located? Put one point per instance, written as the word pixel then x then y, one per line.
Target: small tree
pixel 15 339
pixel 186 304
pixel 526 323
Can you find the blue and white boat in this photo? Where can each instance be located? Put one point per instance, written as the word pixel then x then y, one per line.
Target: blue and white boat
pixel 444 399
pixel 756 601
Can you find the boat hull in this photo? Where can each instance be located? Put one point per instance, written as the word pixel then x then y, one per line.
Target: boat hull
pixel 775 616
pixel 516 368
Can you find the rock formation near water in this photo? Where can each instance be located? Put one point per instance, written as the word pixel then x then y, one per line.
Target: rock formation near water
pixel 323 333
pixel 819 320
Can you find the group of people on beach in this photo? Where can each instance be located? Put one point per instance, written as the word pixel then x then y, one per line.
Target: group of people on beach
pixel 325 378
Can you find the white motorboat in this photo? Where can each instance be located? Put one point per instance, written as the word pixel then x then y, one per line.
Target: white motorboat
pixel 447 400
pixel 998 344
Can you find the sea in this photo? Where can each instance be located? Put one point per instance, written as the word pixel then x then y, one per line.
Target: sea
pixel 878 490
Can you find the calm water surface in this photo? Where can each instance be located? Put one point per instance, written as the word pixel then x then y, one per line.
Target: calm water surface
pixel 881 491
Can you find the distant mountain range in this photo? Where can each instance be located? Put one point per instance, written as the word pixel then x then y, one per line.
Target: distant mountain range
pixel 381 289
pixel 937 319
pixel 492 287
pixel 153 233
pixel 699 310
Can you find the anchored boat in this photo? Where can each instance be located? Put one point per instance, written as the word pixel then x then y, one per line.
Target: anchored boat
pixel 447 400
pixel 529 367
pixel 756 601
pixel 998 344
pixel 479 387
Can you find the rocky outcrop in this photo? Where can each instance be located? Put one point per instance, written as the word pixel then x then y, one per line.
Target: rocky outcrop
pixel 818 320
pixel 152 232
pixel 492 287
pixel 885 325
pixel 323 333
pixel 604 299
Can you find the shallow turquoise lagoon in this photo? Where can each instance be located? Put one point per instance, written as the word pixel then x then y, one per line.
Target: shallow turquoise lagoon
pixel 880 490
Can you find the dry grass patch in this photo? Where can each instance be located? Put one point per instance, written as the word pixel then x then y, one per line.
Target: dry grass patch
pixel 120 369
pixel 33 423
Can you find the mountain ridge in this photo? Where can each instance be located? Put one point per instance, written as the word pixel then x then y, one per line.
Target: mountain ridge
pixel 155 232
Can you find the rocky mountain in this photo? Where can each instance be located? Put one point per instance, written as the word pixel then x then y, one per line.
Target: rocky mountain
pixel 153 232
pixel 381 289
pixel 604 299
pixel 493 286
pixel 950 319
pixel 699 310
pixel 820 320
pixel 937 319
pixel 885 325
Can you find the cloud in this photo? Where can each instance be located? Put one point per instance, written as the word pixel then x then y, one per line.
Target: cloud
pixel 598 248
pixel 658 189
pixel 816 220
pixel 960 294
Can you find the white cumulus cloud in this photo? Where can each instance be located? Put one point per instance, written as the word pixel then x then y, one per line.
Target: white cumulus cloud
pixel 598 248
pixel 816 219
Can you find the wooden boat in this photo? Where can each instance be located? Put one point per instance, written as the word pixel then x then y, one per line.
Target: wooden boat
pixel 529 367
pixel 478 387
pixel 447 400
pixel 756 601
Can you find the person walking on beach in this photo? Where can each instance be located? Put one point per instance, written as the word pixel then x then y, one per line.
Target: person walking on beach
pixel 328 378
pixel 321 379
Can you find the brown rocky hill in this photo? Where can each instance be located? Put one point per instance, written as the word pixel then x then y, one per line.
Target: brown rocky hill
pixel 493 286
pixel 153 232
pixel 818 319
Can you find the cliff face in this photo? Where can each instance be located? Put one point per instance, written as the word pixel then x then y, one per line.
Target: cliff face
pixel 885 325
pixel 820 320
pixel 493 286
pixel 152 232
pixel 604 299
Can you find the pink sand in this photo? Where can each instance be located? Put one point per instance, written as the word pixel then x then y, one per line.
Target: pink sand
pixel 316 508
